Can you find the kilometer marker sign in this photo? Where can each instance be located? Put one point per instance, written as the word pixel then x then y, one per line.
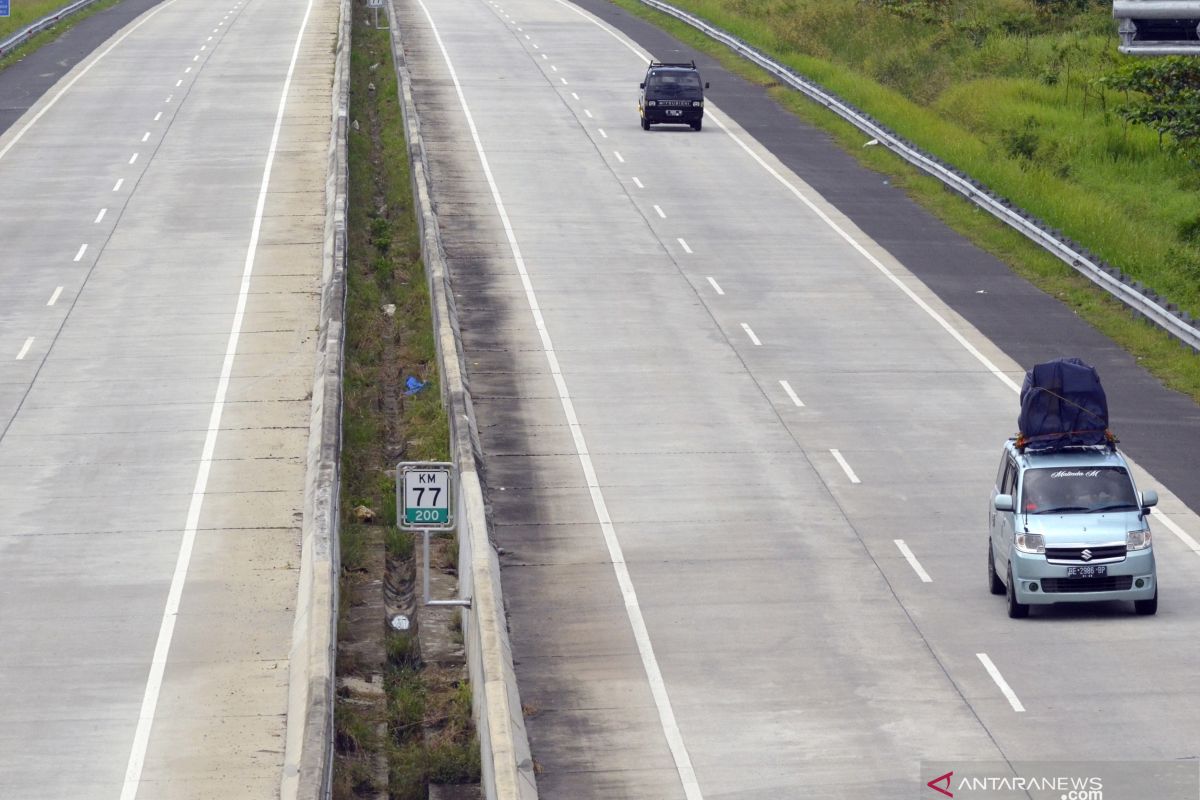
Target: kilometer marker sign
pixel 4 8
pixel 424 495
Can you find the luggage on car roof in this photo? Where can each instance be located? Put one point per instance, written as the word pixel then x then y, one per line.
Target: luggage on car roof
pixel 1062 405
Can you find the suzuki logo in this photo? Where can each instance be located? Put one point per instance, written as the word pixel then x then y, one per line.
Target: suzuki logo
pixel 1086 555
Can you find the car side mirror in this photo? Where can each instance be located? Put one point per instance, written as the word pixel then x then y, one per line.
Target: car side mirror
pixel 642 85
pixel 1149 498
pixel 706 84
pixel 1003 502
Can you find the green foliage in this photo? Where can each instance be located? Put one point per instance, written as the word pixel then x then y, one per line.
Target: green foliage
pixel 1163 95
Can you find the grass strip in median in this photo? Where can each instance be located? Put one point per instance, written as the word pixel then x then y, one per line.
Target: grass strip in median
pixel 420 731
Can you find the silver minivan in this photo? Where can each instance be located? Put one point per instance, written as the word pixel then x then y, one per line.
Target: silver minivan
pixel 1070 526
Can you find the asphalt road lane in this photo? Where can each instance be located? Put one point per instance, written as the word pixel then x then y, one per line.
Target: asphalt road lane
pixel 156 356
pixel 23 82
pixel 710 406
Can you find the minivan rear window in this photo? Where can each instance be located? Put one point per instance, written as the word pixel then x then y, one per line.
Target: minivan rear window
pixel 1077 490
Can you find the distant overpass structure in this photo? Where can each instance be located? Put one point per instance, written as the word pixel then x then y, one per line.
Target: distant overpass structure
pixel 1158 27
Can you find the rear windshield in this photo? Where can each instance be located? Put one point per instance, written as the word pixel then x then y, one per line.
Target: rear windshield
pixel 1077 490
pixel 674 80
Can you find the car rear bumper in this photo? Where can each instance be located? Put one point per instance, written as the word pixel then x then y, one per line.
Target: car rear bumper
pixel 685 116
pixel 1039 582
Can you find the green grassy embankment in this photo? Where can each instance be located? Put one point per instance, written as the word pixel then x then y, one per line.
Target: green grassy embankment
pixel 1010 92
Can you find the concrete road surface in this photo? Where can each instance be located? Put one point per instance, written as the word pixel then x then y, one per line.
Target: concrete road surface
pixel 161 227
pixel 738 456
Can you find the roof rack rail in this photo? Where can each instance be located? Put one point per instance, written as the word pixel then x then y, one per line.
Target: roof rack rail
pixel 689 64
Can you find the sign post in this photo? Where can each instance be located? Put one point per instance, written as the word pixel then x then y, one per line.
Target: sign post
pixel 426 494
pixel 374 5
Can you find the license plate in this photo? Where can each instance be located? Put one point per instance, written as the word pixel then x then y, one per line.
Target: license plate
pixel 673 113
pixel 1087 572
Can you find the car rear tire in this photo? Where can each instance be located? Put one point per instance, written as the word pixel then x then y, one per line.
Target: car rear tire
pixel 1016 610
pixel 645 124
pixel 697 124
pixel 995 585
pixel 1147 608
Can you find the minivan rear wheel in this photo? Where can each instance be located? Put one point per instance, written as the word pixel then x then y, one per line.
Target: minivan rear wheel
pixel 1016 610
pixel 1147 608
pixel 645 124
pixel 995 586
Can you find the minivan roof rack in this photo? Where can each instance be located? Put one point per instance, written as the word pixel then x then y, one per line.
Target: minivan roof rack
pixel 687 65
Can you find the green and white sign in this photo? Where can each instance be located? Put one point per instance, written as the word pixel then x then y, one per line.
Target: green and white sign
pixel 424 495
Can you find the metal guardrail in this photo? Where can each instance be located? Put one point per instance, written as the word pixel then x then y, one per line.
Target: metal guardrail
pixel 1158 27
pixel 1142 300
pixel 20 37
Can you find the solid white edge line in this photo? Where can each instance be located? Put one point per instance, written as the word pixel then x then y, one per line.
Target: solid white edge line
pixel 1005 689
pixel 54 297
pixel 837 454
pixel 716 286
pixel 791 393
pixel 684 245
pixel 25 348
pixel 912 561
pixel 54 100
pixel 80 252
pixel 166 631
pixel 1180 533
pixel 750 333
pixel 658 689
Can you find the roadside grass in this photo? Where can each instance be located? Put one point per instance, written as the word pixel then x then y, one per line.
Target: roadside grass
pixel 424 729
pixel 27 12
pixel 1109 187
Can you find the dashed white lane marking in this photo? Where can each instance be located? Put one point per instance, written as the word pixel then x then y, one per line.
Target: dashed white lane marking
pixel 535 46
pixel 564 80
pixel 638 183
pixel 117 185
pixel 520 29
pixel 544 56
pixel 80 252
pixel 750 333
pixel 166 631
pixel 574 95
pixel 158 116
pixel 209 39
pixel 641 636
pixel 133 158
pixel 603 135
pixel 186 71
pixel 716 286
pixel 54 100
pixel 791 393
pixel 553 68
pixel 100 216
pixel 589 114
pixel 25 348
pixel 527 36
pixel 684 245
pixel 999 679
pixel 170 97
pixel 912 561
pixel 54 297
pixel 214 31
pixel 179 83
pixel 617 153
pixel 658 210
pixel 938 318
pixel 146 136
pixel 197 57
pixel 837 454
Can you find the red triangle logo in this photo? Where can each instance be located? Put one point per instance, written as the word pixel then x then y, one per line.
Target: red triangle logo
pixel 933 784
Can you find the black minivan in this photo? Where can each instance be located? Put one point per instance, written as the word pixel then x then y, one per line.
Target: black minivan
pixel 672 93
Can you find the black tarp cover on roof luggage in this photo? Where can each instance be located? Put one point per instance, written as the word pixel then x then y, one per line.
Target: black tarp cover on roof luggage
pixel 1063 405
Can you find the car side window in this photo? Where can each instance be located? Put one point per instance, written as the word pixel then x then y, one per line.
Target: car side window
pixel 1010 478
pixel 1000 472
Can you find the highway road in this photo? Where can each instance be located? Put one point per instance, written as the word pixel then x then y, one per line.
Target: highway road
pixel 162 214
pixel 738 453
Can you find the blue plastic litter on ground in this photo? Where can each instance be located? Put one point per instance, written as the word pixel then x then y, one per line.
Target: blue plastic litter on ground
pixel 413 385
